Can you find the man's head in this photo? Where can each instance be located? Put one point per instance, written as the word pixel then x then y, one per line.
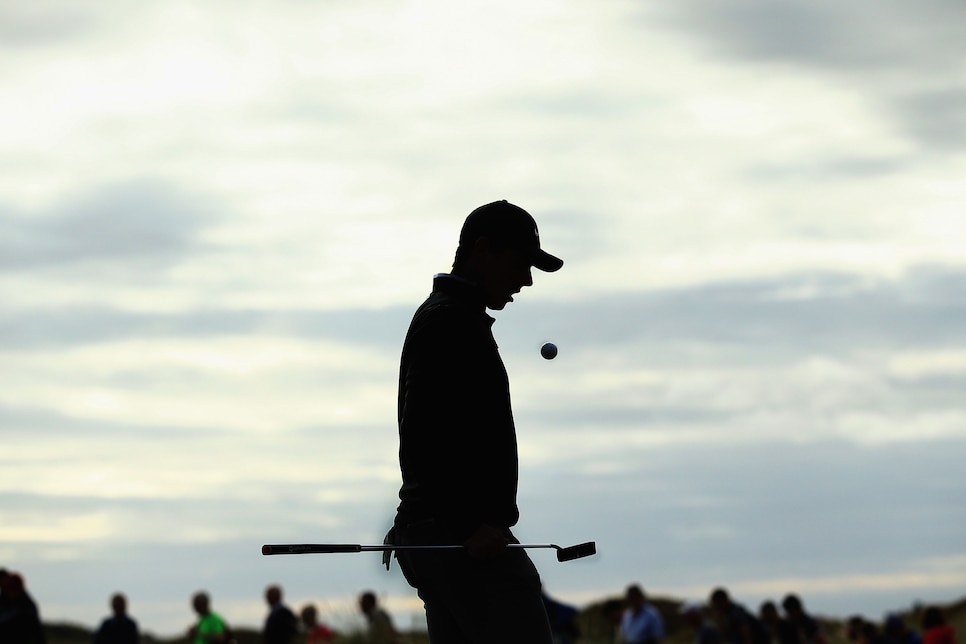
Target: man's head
pixel 12 584
pixel 201 603
pixel 768 612
pixel 793 606
pixel 273 595
pixel 634 596
pixel 118 604
pixel 719 600
pixel 895 626
pixel 692 613
pixel 499 244
pixel 367 602
pixel 854 627
pixel 612 609
pixel 310 616
pixel 932 617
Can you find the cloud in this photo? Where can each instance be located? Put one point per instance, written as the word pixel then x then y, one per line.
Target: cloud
pixel 69 326
pixel 844 168
pixel 813 355
pixel 791 314
pixel 762 518
pixel 863 37
pixel 883 49
pixel 805 312
pixel 43 23
pixel 140 224
pixel 936 117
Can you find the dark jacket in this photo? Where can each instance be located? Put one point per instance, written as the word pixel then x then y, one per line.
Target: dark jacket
pixel 20 621
pixel 457 442
pixel 117 629
pixel 281 625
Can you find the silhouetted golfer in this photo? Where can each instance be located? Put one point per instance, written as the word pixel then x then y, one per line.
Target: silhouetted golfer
pixel 457 442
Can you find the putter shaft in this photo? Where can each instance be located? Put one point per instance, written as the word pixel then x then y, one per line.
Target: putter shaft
pixel 563 554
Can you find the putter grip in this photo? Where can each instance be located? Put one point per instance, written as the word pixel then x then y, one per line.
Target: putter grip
pixel 309 548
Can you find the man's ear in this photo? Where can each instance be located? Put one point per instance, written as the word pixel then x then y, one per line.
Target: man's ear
pixel 484 250
pixel 486 247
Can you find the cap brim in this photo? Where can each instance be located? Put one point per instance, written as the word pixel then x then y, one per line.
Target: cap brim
pixel 546 262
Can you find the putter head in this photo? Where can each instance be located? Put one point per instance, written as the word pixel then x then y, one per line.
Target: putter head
pixel 579 551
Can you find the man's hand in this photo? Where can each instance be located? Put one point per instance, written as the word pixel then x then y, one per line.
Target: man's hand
pixel 487 542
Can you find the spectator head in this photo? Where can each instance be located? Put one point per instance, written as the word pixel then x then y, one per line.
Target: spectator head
pixel 870 633
pixel 118 604
pixel 612 610
pixel 634 596
pixel 12 584
pixel 932 617
pixel 201 602
pixel 692 613
pixel 768 612
pixel 853 628
pixel 894 625
pixel 273 595
pixel 367 602
pixel 720 601
pixel 310 616
pixel 793 606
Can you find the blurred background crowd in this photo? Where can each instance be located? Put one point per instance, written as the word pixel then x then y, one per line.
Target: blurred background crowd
pixel 632 618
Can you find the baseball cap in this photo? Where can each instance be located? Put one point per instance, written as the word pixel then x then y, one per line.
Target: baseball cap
pixel 512 226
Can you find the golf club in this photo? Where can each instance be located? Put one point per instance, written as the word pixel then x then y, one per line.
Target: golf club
pixel 570 553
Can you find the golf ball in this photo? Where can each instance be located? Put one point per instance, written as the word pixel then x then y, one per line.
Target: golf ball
pixel 549 350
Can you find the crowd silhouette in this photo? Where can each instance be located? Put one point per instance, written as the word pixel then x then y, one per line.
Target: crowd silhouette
pixel 19 615
pixel 722 620
pixel 631 619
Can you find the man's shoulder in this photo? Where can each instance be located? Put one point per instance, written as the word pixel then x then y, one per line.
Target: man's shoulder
pixel 212 620
pixel 439 304
pixel 435 316
pixel 382 616
pixel 446 299
pixel 117 621
pixel 281 612
pixel 440 312
pixel 452 292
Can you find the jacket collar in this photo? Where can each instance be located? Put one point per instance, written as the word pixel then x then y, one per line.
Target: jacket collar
pixel 467 292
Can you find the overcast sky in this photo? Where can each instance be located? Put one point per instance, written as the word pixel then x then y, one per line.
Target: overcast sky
pixel 217 219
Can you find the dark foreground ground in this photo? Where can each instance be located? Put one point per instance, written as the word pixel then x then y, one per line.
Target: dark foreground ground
pixel 593 628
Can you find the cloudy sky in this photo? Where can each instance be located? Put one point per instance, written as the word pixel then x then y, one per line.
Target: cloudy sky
pixel 217 218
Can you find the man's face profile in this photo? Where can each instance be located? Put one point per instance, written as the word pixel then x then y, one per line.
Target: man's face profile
pixel 503 274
